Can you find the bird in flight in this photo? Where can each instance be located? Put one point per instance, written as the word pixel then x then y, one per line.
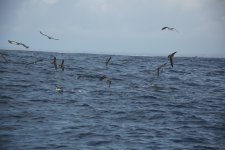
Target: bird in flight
pixel 170 56
pixel 18 43
pixel 62 65
pixel 168 28
pixel 107 61
pixel 55 63
pixel 49 37
pixel 160 68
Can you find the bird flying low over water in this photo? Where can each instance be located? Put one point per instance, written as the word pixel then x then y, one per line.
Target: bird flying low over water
pixel 107 61
pixel 160 68
pixel 171 58
pixel 108 80
pixel 18 43
pixel 55 63
pixel 49 37
pixel 62 65
pixel 168 28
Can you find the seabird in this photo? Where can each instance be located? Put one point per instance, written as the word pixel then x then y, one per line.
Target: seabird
pixel 49 37
pixel 62 65
pixel 171 29
pixel 159 68
pixel 171 58
pixel 18 43
pixel 55 63
pixel 104 77
pixel 107 61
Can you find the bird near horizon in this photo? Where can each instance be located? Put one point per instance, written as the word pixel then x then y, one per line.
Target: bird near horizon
pixel 62 65
pixel 49 37
pixel 107 61
pixel 55 63
pixel 168 28
pixel 17 43
pixel 171 58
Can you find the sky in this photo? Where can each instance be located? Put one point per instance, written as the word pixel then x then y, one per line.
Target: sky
pixel 123 27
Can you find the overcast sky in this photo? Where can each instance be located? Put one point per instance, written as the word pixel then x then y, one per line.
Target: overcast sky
pixel 128 27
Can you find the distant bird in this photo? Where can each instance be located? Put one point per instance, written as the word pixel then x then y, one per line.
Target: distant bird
pixel 171 58
pixel 58 89
pixel 18 43
pixel 55 63
pixel 108 80
pixel 49 37
pixel 62 65
pixel 107 61
pixel 3 56
pixel 171 29
pixel 160 68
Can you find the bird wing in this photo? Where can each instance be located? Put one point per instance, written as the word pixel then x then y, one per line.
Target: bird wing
pixel 43 34
pixel 13 42
pixel 164 28
pixel 53 38
pixel 107 62
pixel 24 45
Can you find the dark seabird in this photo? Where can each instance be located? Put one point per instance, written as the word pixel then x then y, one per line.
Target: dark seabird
pixel 62 65
pixel 104 77
pixel 49 37
pixel 55 63
pixel 171 58
pixel 107 61
pixel 18 43
pixel 159 68
pixel 171 29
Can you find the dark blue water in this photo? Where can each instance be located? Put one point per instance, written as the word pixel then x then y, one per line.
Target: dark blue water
pixel 182 109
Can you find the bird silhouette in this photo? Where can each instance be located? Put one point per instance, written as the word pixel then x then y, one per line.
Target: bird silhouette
pixel 18 43
pixel 171 58
pixel 49 37
pixel 168 28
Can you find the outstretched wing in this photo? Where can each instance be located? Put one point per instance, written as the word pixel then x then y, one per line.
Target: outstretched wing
pixel 107 62
pixel 48 36
pixel 164 28
pixel 43 34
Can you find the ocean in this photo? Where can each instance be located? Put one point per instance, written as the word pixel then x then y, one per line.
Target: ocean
pixel 182 109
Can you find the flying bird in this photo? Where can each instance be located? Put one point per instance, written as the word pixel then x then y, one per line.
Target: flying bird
pixel 62 65
pixel 171 58
pixel 49 37
pixel 168 28
pixel 18 43
pixel 160 68
pixel 107 61
pixel 55 63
